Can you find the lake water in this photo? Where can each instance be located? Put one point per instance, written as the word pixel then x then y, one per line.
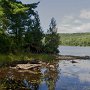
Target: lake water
pixel 65 76
pixel 74 50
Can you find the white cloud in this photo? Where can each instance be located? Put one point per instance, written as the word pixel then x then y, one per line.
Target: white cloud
pixel 77 21
pixel 80 70
pixel 69 28
pixel 85 26
pixel 72 24
pixel 65 28
pixel 85 14
pixel 84 77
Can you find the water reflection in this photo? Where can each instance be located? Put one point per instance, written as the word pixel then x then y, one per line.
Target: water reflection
pixel 51 77
pixel 74 76
pixel 16 80
pixel 29 80
pixel 65 76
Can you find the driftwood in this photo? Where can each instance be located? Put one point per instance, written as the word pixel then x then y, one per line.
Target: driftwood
pixel 27 66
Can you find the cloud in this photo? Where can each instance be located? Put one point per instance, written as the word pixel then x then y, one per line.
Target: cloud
pixel 69 25
pixel 65 28
pixel 75 23
pixel 85 26
pixel 69 28
pixel 85 14
pixel 84 77
pixel 80 70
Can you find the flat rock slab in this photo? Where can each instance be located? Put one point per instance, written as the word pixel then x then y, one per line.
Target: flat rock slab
pixel 27 66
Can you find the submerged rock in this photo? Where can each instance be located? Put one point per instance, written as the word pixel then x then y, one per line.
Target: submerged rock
pixel 73 61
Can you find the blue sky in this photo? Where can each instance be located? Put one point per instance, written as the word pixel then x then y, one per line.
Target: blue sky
pixel 72 16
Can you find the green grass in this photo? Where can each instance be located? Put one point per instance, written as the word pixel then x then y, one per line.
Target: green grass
pixel 5 59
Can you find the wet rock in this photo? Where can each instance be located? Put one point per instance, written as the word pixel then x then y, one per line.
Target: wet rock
pixel 52 66
pixel 26 66
pixel 48 64
pixel 87 57
pixel 34 61
pixel 69 57
pixel 73 61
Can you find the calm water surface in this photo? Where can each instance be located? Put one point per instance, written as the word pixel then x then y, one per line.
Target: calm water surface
pixel 65 76
pixel 74 50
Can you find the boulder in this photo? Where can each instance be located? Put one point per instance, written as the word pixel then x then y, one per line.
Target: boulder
pixel 73 61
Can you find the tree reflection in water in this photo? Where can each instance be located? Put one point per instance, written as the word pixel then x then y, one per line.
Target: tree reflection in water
pixel 15 80
pixel 51 77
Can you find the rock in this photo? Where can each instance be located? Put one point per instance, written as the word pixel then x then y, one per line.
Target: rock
pixel 27 66
pixel 34 61
pixel 87 57
pixel 73 61
pixel 40 62
pixel 51 66
pixel 47 64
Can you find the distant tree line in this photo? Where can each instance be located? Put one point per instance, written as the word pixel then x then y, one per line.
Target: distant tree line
pixel 75 39
pixel 21 31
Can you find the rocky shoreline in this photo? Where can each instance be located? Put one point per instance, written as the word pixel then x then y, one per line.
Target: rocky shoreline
pixel 35 64
pixel 69 57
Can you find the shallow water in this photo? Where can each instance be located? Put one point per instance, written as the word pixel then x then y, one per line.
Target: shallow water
pixel 66 76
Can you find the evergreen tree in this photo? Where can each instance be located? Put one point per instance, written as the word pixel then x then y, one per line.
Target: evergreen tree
pixel 34 33
pixel 52 38
pixel 14 18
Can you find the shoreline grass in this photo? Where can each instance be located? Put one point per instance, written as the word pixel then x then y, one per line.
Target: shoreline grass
pixel 5 59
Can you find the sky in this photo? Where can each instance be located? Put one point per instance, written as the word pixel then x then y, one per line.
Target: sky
pixel 72 16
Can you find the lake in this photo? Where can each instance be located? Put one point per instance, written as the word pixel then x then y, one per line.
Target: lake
pixel 65 76
pixel 74 50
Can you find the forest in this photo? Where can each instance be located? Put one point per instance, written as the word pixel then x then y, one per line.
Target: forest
pixel 75 39
pixel 21 31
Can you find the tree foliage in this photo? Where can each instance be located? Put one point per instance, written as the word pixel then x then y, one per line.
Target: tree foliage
pixel 75 39
pixel 20 29
pixel 34 33
pixel 52 38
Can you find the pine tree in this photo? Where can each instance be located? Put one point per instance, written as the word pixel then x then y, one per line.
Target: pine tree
pixel 34 33
pixel 14 18
pixel 52 38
